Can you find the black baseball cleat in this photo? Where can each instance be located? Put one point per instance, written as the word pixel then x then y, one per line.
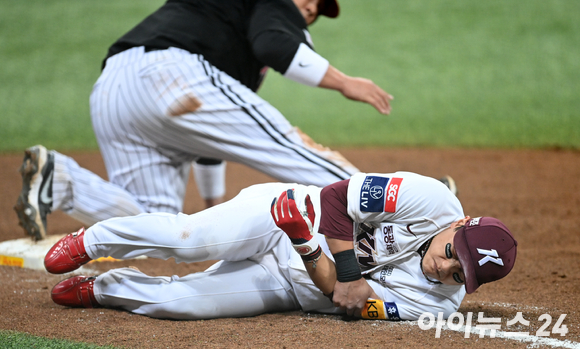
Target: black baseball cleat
pixel 35 199
pixel 450 183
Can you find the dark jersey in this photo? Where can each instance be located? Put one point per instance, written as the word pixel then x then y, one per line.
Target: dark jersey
pixel 240 37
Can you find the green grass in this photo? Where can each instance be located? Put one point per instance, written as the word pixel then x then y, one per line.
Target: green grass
pixel 51 54
pixel 16 340
pixel 464 73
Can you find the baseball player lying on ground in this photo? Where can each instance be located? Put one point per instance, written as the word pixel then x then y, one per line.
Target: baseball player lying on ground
pixel 410 244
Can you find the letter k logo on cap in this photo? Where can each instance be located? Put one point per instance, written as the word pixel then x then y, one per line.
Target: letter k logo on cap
pixel 489 254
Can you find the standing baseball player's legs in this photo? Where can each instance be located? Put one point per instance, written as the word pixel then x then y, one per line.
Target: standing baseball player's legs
pixel 35 200
pixel 157 181
pixel 210 177
pixel 227 289
pixel 224 120
pixel 156 177
pixel 244 128
pixel 155 113
pixel 142 179
pixel 53 181
pixel 86 196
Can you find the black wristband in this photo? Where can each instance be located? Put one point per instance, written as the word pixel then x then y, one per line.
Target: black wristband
pixel 347 268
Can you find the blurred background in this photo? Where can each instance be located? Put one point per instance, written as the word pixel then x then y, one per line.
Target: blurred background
pixel 464 73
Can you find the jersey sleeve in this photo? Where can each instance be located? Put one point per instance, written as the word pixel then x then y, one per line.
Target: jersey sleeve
pixel 279 38
pixel 402 198
pixel 334 219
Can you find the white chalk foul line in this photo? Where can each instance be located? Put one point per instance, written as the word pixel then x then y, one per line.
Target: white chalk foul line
pixel 535 340
pixel 526 338
pixel 509 305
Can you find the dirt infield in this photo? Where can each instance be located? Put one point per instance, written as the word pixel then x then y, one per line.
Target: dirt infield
pixel 535 192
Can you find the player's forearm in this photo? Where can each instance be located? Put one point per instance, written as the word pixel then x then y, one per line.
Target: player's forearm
pixel 324 275
pixel 334 79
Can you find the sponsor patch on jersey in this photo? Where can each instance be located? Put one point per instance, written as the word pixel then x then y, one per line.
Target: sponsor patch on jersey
pixel 379 194
pixel 385 273
pixel 374 310
pixel 392 311
pixel 389 239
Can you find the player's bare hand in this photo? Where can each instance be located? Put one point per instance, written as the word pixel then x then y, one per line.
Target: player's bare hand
pixel 358 89
pixel 352 296
pixel 364 90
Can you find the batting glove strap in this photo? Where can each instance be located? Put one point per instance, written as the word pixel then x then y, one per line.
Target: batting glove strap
pixel 314 256
pixel 307 247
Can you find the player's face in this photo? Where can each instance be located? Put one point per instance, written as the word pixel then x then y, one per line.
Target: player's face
pixel 308 9
pixel 440 261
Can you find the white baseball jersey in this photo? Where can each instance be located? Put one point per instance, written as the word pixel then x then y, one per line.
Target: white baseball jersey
pixel 394 214
pixel 404 210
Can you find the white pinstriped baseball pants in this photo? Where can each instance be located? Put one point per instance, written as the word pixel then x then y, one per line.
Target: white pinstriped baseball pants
pixel 141 111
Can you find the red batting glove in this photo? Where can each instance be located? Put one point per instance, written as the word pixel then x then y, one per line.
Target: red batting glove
pixel 297 225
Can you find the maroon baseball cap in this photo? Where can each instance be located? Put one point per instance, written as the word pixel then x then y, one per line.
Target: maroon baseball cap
pixel 486 251
pixel 329 8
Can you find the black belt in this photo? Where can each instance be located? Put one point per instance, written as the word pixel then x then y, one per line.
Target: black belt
pixel 151 48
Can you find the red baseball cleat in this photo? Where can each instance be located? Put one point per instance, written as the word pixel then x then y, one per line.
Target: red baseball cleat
pixel 67 254
pixel 75 292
